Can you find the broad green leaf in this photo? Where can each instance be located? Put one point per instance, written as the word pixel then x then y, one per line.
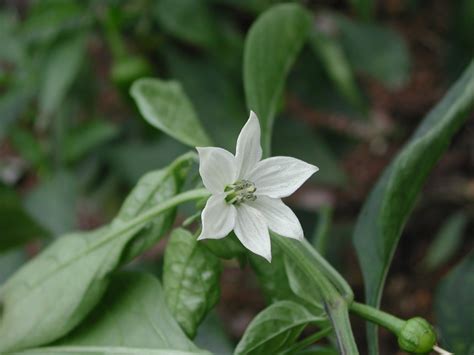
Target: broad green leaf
pixel 61 70
pixel 165 106
pixel 388 207
pixel 375 51
pixel 454 308
pixel 53 292
pixel 16 226
pixel 53 203
pixel 446 242
pixel 84 138
pixel 132 318
pixel 271 47
pixel 199 29
pixel 337 66
pixel 190 279
pixel 275 328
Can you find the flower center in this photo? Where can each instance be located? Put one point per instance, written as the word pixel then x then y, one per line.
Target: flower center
pixel 240 191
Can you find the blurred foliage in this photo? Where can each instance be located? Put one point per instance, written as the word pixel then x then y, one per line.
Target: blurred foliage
pixel 72 143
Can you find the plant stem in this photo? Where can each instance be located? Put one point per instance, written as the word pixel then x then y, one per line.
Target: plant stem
pixel 310 263
pixel 308 341
pixel 165 205
pixel 377 316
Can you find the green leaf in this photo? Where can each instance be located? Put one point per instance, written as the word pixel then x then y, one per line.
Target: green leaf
pixel 275 328
pixel 375 51
pixel 389 205
pixel 272 276
pixel 152 189
pixel 271 47
pixel 200 28
pixel 16 226
pixel 52 293
pixel 48 19
pixel 132 318
pixel 337 66
pixel 52 203
pixel 446 242
pixel 226 248
pixel 86 137
pixel 454 308
pixel 62 68
pixel 190 279
pixel 165 106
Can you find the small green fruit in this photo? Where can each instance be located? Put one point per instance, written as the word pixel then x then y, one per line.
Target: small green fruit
pixel 417 336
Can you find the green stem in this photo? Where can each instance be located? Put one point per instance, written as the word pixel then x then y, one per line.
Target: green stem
pixel 308 341
pixel 378 317
pixel 170 203
pixel 331 274
pixel 309 262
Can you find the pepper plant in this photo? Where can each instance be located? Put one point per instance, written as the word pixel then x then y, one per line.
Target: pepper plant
pixel 75 298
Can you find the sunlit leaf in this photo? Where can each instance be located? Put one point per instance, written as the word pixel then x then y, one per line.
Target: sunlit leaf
pixel 53 292
pixel 271 47
pixel 132 318
pixel 165 106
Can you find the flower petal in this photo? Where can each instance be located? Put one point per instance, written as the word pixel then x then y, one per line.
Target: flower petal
pixel 279 217
pixel 216 167
pixel 248 151
pixel 218 218
pixel 280 176
pixel 252 231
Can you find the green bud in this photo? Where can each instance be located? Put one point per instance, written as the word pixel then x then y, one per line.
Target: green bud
pixel 417 336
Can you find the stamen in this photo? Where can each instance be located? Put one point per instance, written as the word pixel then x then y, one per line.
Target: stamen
pixel 240 191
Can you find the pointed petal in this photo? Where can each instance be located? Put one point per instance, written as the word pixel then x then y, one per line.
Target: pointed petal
pixel 216 167
pixel 218 218
pixel 248 151
pixel 279 217
pixel 252 231
pixel 280 176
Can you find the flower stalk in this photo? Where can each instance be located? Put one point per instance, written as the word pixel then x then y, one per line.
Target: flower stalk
pixel 414 335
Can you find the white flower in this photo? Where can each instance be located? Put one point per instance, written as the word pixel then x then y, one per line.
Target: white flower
pixel 247 192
